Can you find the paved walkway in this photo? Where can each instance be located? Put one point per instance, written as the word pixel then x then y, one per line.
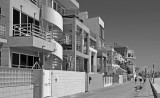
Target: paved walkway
pixel 125 90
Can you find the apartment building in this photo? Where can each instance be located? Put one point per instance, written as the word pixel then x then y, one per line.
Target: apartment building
pixel 96 24
pixel 98 53
pixel 31 30
pixel 128 55
pixel 75 37
pixel 52 35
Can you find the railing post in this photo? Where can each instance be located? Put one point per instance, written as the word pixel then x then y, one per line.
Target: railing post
pixel 31 29
pixel 27 29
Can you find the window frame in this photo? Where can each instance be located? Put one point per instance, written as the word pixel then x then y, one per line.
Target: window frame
pixel 0 10
pixel 19 65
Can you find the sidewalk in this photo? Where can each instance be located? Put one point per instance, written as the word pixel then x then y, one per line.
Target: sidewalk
pixel 95 92
pixel 146 91
pixel 124 90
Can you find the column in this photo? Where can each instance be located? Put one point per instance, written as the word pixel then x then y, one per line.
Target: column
pixel 82 40
pixel 89 65
pixel 95 62
pixel 105 64
pixel 82 64
pixel 6 60
pixel 101 68
pixel 74 45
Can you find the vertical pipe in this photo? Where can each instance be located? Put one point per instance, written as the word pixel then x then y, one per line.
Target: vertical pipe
pixel 153 73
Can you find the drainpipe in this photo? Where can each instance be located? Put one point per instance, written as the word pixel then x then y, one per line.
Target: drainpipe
pixel 153 73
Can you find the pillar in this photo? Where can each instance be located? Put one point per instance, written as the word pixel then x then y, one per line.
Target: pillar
pixel 89 65
pixel 6 60
pixel 95 62
pixel 102 65
pixel 105 64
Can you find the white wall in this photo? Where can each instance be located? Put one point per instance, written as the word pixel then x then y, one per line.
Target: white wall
pixel 17 92
pixel 108 81
pixel 120 79
pixel 65 83
pixel 52 16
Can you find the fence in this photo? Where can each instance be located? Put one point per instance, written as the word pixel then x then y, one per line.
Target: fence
pixel 15 77
pixel 15 83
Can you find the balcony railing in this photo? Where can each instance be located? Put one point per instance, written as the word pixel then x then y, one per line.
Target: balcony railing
pixel 29 29
pixel 2 26
pixel 71 12
pixel 65 42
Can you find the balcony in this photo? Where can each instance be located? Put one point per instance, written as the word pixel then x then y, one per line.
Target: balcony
pixel 30 36
pixel 66 44
pixel 2 29
pixel 71 12
pixel 73 4
pixel 52 16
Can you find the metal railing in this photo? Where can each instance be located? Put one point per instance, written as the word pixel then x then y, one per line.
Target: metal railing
pixel 15 77
pixel 65 42
pixel 28 29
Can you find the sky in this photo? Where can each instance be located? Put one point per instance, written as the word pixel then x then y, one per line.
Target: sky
pixel 132 23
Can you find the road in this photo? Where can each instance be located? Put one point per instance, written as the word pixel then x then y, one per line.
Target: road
pixel 125 90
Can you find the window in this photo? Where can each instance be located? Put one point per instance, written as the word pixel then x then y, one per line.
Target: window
pixel 101 32
pixel 30 20
pixel 59 8
pixel 0 11
pixel 36 59
pixel 30 61
pixel 36 23
pixel 55 6
pixel 15 59
pixel 16 17
pixel 23 18
pixel 23 60
pixel 63 11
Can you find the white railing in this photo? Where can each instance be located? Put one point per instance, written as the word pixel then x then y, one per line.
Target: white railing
pixel 28 29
